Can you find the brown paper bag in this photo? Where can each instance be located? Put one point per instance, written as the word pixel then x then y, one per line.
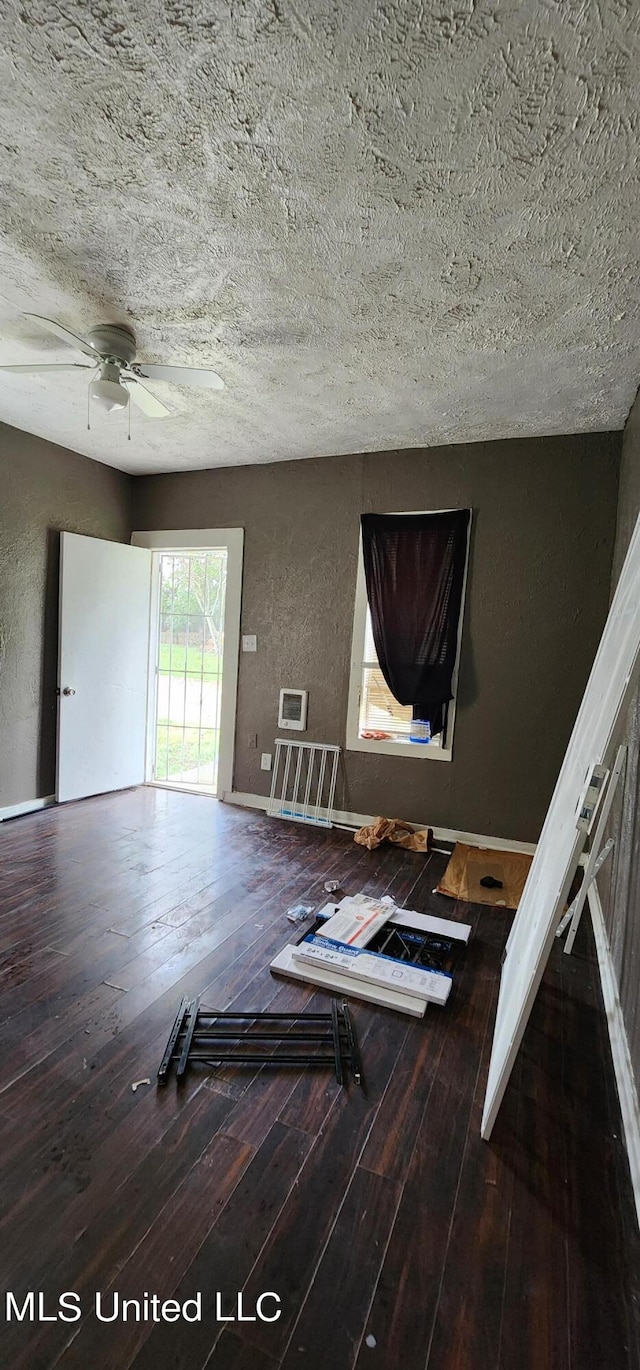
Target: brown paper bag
pixel 394 830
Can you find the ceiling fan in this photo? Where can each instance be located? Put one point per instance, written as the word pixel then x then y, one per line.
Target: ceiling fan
pixel 112 349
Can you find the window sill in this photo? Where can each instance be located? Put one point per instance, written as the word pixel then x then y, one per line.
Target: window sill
pixel 379 747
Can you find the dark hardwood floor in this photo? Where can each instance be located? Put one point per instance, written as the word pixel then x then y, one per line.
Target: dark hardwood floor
pixel 395 1237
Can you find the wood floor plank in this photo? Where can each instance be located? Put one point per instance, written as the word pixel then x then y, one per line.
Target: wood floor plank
pixel 76 1170
pixel 233 1354
pixel 468 1323
pixel 603 1241
pixel 160 1259
pixel 406 1297
pixel 538 1230
pixel 345 1278
pixel 392 1138
pixel 297 1242
pixel 224 1261
pixel 101 1248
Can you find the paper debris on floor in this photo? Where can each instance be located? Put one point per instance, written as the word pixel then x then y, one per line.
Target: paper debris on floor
pixel 394 830
pixel 469 866
pixel 299 912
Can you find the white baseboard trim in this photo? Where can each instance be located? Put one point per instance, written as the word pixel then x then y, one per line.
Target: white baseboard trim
pixel 627 1091
pixel 360 820
pixel 28 806
pixel 478 839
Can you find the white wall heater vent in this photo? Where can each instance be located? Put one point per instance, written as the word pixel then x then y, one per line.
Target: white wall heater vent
pixel 292 713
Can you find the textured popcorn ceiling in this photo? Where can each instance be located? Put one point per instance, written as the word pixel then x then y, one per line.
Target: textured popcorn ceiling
pixel 385 224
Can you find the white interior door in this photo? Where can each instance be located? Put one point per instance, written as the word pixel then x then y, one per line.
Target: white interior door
pixel 103 663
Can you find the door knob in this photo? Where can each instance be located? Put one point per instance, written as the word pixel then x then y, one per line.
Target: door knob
pixel 68 691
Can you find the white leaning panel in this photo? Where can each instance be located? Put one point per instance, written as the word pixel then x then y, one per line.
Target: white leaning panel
pixel 554 864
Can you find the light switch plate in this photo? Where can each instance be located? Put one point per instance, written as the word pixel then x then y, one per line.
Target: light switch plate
pixel 249 642
pixel 265 761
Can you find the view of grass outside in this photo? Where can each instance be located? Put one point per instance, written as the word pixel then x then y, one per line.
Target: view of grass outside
pixel 179 659
pixel 178 751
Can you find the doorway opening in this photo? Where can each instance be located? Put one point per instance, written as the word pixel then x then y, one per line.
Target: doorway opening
pixel 194 641
pixel 190 649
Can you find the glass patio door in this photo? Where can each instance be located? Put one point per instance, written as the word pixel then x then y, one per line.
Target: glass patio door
pixel 189 668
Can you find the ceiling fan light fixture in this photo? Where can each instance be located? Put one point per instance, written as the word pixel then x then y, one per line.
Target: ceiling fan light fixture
pixel 109 395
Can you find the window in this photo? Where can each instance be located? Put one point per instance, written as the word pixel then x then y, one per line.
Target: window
pixel 373 709
pixel 379 711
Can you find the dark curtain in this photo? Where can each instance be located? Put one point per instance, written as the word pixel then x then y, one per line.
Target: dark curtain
pixel 414 566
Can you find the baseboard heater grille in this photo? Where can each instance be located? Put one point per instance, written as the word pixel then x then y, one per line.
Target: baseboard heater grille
pixel 303 784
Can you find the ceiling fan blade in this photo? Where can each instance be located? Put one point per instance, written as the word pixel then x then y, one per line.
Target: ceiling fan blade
pixel 50 366
pixel 179 375
pixel 145 400
pixel 71 338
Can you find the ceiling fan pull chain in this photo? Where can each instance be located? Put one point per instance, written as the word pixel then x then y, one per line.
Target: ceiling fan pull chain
pixel 129 413
pixel 89 407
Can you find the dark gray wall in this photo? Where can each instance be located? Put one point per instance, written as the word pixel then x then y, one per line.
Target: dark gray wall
pixel 619 882
pixel 44 489
pixel 544 526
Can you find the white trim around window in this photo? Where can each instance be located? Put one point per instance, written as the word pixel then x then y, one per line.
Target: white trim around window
pixel 433 751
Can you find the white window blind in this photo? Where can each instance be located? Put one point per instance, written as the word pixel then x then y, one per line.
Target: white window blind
pixel 379 711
